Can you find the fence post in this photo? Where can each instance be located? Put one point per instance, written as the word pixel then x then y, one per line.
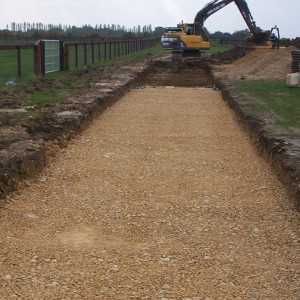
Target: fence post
pixel 110 50
pixel 85 54
pixel 93 52
pixel 19 62
pixel 105 50
pixel 37 59
pixel 66 58
pixel 115 48
pixel 123 48
pixel 43 56
pixel 99 51
pixel 62 56
pixel 76 56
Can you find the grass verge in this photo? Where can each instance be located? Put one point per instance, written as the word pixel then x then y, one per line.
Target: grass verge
pixel 275 97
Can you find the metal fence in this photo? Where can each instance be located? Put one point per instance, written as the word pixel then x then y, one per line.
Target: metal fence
pixel 31 60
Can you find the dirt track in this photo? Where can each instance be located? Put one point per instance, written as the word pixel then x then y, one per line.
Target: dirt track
pixel 163 197
pixel 260 64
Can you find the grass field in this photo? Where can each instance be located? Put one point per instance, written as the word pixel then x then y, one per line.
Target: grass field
pixel 276 97
pixel 8 65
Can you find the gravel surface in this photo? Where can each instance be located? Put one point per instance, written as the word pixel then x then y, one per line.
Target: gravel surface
pixel 162 197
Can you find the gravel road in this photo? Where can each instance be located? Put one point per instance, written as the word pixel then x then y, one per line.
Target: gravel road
pixel 162 197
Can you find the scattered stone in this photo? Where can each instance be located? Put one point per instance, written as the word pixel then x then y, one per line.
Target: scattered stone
pixel 53 284
pixel 8 277
pixel 115 268
pixel 11 83
pixel 31 216
pixel 69 114
pixel 165 259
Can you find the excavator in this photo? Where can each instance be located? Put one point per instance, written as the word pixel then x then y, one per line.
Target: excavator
pixel 194 37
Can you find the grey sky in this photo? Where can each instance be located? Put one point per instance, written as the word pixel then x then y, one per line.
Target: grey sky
pixel 267 13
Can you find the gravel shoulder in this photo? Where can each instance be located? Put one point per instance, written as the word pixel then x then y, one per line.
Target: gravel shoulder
pixel 162 197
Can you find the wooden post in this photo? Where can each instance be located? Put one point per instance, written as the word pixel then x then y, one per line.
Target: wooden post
pixel 19 62
pixel 93 52
pixel 119 48
pixel 76 56
pixel 115 49
pixel 99 51
pixel 62 56
pixel 105 50
pixel 36 60
pixel 43 56
pixel 110 49
pixel 66 58
pixel 122 47
pixel 85 54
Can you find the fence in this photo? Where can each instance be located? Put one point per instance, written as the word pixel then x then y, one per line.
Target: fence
pixel 80 54
pixel 27 61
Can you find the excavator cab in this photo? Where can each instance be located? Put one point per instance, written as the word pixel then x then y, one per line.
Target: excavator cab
pixel 183 38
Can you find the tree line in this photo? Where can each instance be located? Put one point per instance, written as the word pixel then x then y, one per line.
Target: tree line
pixel 34 31
pixel 243 35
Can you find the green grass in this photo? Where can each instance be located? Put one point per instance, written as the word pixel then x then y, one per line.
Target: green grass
pixel 43 98
pixel 276 97
pixel 219 48
pixel 8 65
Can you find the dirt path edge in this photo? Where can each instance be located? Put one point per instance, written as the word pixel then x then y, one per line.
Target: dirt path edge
pixel 26 158
pixel 280 147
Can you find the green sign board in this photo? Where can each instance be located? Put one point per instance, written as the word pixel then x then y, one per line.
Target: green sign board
pixel 51 56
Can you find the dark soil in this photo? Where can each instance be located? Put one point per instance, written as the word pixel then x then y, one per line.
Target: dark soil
pixel 184 74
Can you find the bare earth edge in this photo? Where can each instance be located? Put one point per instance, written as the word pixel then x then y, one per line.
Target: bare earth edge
pixel 280 147
pixel 27 158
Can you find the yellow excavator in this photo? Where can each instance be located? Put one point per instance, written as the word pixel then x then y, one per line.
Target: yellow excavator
pixel 195 38
pixel 183 38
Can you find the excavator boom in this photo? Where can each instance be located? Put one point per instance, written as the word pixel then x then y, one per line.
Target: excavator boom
pixel 216 5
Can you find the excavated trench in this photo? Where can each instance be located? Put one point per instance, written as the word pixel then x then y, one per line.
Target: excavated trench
pixel 179 74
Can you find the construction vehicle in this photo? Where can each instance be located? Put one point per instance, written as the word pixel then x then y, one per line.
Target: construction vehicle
pixel 194 37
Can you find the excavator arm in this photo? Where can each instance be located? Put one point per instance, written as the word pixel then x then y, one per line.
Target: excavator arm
pixel 216 5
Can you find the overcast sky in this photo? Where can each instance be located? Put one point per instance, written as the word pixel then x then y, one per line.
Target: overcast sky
pixel 267 13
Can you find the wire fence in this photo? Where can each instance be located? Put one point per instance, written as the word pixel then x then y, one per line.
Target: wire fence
pixel 23 62
pixel 78 54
